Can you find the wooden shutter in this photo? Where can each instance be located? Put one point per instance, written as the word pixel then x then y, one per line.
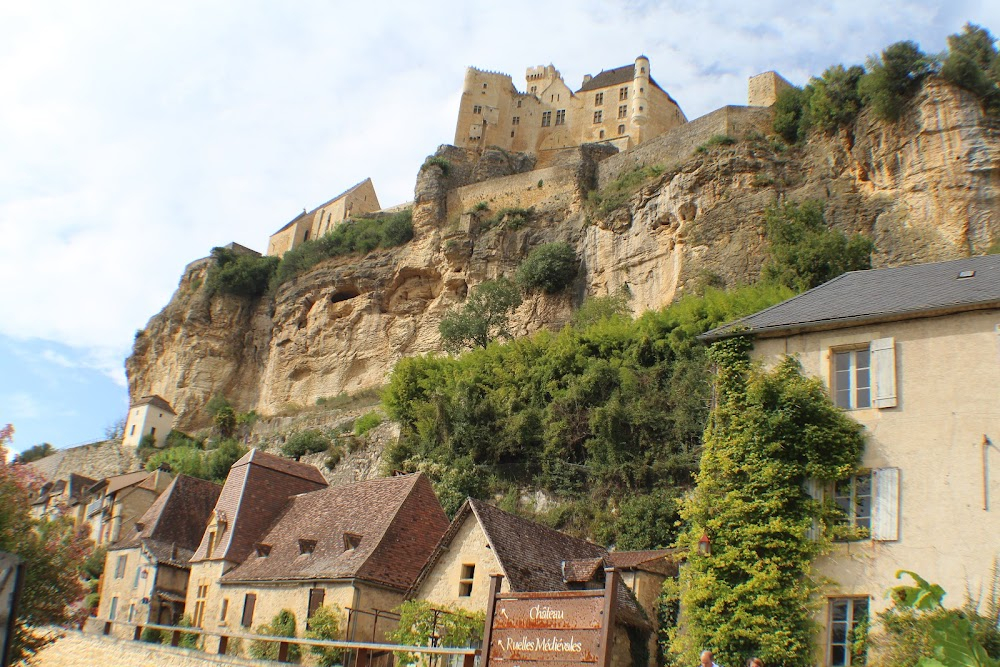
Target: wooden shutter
pixel 883 361
pixel 316 597
pixel 885 504
pixel 815 491
pixel 249 602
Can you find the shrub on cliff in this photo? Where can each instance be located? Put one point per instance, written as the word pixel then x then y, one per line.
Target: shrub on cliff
pixel 833 99
pixel 550 267
pixel 974 64
pixel 893 77
pixel 305 442
pixel 240 274
pixel 484 317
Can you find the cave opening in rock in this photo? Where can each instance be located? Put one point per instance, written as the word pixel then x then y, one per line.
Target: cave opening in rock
pixel 344 295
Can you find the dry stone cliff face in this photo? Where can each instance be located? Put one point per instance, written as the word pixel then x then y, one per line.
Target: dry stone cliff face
pixel 925 189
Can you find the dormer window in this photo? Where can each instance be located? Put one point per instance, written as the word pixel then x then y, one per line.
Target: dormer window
pixel 263 550
pixel 351 541
pixel 306 546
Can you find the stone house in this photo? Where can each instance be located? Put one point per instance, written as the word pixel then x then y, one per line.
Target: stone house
pixel 116 502
pixel 356 200
pixel 913 354
pixel 483 540
pixel 63 497
pixel 623 106
pixel 146 572
pixel 152 416
pixel 359 546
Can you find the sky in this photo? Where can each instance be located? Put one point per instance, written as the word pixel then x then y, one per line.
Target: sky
pixel 136 136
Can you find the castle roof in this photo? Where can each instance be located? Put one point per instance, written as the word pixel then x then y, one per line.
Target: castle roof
pixel 156 402
pixel 380 530
pixel 616 77
pixel 859 297
pixel 172 526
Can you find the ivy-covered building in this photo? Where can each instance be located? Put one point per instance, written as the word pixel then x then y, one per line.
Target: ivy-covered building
pixel 913 354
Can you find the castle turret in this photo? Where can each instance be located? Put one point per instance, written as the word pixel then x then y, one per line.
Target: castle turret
pixel 640 101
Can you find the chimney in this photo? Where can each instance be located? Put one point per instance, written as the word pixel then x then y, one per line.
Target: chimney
pixel 586 79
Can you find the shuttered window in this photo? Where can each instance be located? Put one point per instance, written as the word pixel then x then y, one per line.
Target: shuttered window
pixel 847 617
pixel 885 504
pixel 316 597
pixel 249 602
pixel 883 361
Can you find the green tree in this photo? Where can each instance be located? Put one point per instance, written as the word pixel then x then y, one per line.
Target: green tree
pixel 893 77
pixel 974 64
pixel 182 460
pixel 224 421
pixel 221 459
pixel 311 441
pixel 325 624
pixel 833 99
pixel 53 552
pixel 597 308
pixel 35 453
pixel 550 267
pixel 803 252
pixel 790 119
pixel 484 317
pixel 240 274
pixel 768 433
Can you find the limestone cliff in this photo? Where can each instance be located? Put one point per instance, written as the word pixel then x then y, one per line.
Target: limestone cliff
pixel 924 189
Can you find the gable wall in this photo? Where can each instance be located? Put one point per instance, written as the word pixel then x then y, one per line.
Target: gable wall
pixel 469 546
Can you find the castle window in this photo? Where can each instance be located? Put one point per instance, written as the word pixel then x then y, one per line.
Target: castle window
pixel 519 104
pixel 512 134
pixel 484 85
pixel 561 117
pixel 598 116
pixel 598 99
pixel 477 109
pixel 534 89
pixel 466 580
pixel 621 130
pixel 623 111
pixel 516 120
pixel 623 93
pixel 601 135
pixel 642 90
pixel 546 118
pixel 642 70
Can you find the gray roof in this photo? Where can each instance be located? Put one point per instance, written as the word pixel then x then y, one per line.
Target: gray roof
pixel 859 297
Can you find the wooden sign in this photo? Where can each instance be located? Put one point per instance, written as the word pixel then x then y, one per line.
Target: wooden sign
pixel 11 579
pixel 550 629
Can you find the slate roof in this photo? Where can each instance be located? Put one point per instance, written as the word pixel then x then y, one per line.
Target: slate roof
pixel 255 492
pixel 532 556
pixel 172 526
pixel 860 297
pixel 156 402
pixel 398 519
pixel 119 482
pixel 616 77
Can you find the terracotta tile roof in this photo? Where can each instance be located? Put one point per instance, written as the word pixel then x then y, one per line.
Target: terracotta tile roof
pixel 256 490
pixel 399 521
pixel 660 561
pixel 172 527
pixel 156 402
pixel 581 570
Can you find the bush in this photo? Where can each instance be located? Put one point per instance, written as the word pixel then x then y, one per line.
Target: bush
pixel 240 274
pixel 550 267
pixel 282 625
pixel 325 624
pixel 179 439
pixel 484 317
pixel 305 442
pixel 182 460
pixel 222 458
pixel 35 453
pixel 716 140
pixel 509 218
pixel 367 422
pixel 187 639
pixel 93 564
pixel 788 115
pixel 437 161
pixel 91 601
pixel 151 635
pixel 595 309
pixel 833 100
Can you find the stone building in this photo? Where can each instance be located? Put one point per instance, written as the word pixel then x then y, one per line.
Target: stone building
pixel 146 573
pixel 63 497
pixel 359 199
pixel 359 546
pixel 152 416
pixel 483 540
pixel 116 502
pixel 913 354
pixel 623 106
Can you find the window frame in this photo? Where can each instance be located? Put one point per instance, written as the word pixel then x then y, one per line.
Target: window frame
pixel 546 119
pixel 850 517
pixel 851 373
pixel 851 623
pixel 561 117
pixel 466 580
pixel 598 117
pixel 622 111
pixel 598 99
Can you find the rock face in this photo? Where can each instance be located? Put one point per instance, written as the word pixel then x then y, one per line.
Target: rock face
pixel 924 189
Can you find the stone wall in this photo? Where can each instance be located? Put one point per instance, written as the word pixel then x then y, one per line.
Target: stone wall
pixel 77 650
pixel 678 144
pixel 517 191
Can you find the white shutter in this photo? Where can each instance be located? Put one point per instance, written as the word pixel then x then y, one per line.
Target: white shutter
pixel 814 490
pixel 885 504
pixel 883 361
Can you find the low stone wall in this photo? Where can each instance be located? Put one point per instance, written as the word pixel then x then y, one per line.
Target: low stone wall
pixel 75 649
pixel 517 191
pixel 679 143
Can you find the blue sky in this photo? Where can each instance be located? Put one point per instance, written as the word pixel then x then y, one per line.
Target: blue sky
pixel 136 136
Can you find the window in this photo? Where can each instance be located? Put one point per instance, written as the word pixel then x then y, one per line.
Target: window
pixel 484 85
pixel 865 377
pixel 132 432
pixel 854 498
pixel 519 104
pixel 316 597
pixel 561 117
pixel 307 546
pixel 263 550
pixel 114 609
pixel 199 606
pixel 846 614
pixel 598 116
pixel 598 99
pixel 120 567
pixel 516 120
pixel 601 135
pixel 621 130
pixel 152 432
pixel 131 612
pixel 623 93
pixel 351 541
pixel 477 109
pixel 224 610
pixel 211 544
pixel 534 89
pixel 465 581
pixel 623 111
pixel 249 602
pixel 852 379
pixel 546 118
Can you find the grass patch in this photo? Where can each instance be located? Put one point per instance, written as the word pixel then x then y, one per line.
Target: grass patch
pixel 619 190
pixel 509 218
pixel 716 140
pixel 345 401
pixel 367 422
pixel 437 161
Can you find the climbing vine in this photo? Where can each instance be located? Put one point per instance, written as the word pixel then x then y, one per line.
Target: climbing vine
pixel 768 433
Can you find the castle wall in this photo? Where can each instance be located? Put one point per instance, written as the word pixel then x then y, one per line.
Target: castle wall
pixel 517 191
pixel 763 89
pixel 680 142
